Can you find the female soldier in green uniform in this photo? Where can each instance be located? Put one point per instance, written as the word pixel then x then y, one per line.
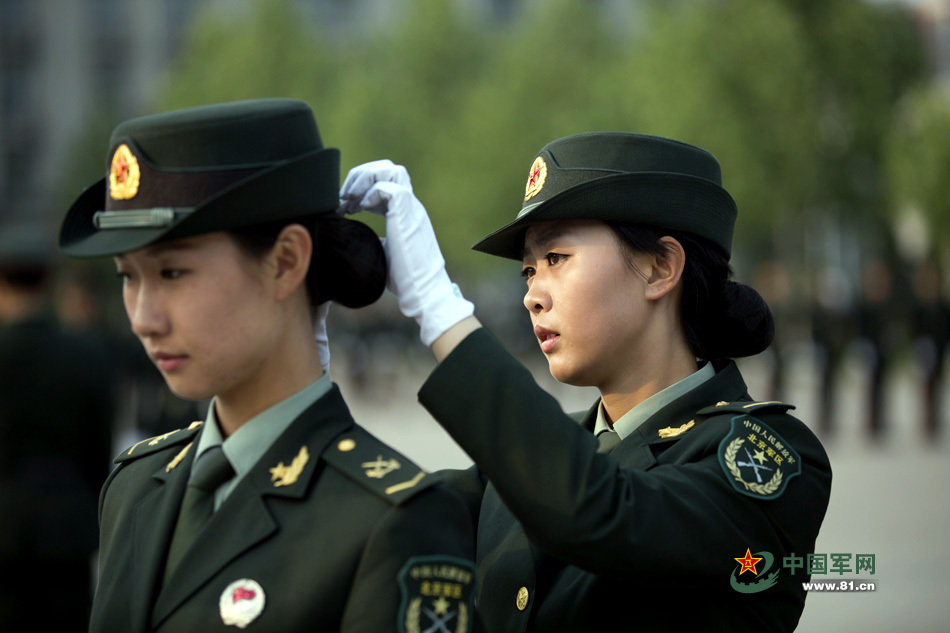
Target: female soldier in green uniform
pixel 278 511
pixel 680 512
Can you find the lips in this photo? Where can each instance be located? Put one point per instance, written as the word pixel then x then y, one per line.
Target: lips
pixel 168 362
pixel 547 338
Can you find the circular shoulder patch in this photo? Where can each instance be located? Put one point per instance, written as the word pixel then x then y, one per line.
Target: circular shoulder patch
pixel 756 460
pixel 438 594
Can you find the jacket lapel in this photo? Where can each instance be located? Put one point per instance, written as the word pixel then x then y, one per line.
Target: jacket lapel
pixel 153 522
pixel 243 521
pixel 234 528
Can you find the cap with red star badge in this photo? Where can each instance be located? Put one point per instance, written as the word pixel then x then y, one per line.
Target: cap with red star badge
pixel 624 177
pixel 210 168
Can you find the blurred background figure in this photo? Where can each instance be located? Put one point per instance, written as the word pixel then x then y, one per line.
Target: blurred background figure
pixel 772 280
pixel 831 330
pixel 878 312
pixel 930 328
pixel 56 408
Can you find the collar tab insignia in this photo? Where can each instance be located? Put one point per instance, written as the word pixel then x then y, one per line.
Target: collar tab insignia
pixel 671 432
pixel 287 475
pixel 177 459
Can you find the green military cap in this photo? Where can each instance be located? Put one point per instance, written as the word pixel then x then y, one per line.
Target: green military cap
pixel 199 170
pixel 617 176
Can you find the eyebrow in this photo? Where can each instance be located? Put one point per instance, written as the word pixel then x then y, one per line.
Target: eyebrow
pixel 161 248
pixel 543 236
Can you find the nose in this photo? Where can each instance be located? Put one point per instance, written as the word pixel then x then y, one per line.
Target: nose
pixel 537 299
pixel 144 308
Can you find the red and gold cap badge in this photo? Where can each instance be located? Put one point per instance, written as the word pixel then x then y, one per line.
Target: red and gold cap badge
pixel 124 174
pixel 539 171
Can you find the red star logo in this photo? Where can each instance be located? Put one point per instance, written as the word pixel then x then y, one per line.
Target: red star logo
pixel 748 562
pixel 121 169
pixel 535 173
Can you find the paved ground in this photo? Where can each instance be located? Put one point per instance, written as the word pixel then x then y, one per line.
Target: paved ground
pixel 889 499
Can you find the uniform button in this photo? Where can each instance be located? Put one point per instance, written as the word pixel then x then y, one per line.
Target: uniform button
pixel 346 445
pixel 521 600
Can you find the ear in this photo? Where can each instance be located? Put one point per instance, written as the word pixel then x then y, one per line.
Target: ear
pixel 290 257
pixel 666 269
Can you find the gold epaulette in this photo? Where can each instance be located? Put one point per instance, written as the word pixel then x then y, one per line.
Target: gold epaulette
pixel 376 466
pixel 743 407
pixel 159 442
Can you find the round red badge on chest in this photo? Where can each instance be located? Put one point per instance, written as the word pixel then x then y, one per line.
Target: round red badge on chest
pixel 241 602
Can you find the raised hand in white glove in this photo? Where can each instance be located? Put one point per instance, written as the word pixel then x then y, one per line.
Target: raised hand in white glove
pixel 417 274
pixel 320 335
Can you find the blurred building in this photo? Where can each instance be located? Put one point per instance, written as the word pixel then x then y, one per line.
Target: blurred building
pixel 61 61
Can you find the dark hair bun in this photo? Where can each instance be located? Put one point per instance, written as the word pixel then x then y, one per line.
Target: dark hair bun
pixel 741 326
pixel 349 263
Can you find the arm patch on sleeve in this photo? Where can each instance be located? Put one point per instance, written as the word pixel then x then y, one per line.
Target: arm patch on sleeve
pixel 756 460
pixel 438 594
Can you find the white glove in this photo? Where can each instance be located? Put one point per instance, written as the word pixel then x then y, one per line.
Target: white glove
pixel 417 273
pixel 320 335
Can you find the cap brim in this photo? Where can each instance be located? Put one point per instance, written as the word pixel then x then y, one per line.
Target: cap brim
pixel 693 205
pixel 308 185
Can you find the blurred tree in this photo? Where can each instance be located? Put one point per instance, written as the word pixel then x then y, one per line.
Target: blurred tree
pixel 918 162
pixel 734 77
pixel 266 51
pixel 391 92
pixel 793 96
pixel 401 92
pixel 866 57
pixel 553 72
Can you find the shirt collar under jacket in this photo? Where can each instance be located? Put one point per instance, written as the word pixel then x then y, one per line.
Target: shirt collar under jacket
pixel 636 416
pixel 247 445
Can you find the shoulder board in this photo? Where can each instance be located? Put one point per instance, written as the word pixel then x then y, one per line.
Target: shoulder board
pixel 158 443
pixel 744 407
pixel 376 466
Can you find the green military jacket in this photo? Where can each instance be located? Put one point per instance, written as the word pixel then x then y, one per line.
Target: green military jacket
pixel 650 536
pixel 331 531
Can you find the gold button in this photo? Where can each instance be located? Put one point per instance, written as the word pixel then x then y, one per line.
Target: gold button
pixel 521 601
pixel 346 445
pixel 721 403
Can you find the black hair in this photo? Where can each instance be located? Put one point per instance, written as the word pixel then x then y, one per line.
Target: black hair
pixel 721 318
pixel 25 277
pixel 348 264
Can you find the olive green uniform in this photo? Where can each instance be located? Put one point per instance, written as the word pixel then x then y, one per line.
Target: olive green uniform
pixel 647 535
pixel 338 532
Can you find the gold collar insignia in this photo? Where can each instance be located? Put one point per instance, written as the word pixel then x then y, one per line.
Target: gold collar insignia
pixel 286 475
pixel 177 459
pixel 671 432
